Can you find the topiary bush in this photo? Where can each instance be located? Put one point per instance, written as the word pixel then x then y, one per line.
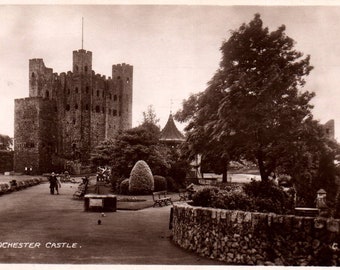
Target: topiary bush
pixel 141 181
pixel 160 183
pixel 124 187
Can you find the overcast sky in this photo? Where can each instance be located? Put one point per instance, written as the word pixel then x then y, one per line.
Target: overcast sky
pixel 174 49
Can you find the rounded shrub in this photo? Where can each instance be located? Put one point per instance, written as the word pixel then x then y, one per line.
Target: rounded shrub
pixel 141 180
pixel 160 183
pixel 124 187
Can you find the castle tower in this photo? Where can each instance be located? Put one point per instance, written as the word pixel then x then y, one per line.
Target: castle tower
pixel 40 79
pixel 329 129
pixel 82 62
pixel 67 115
pixel 122 75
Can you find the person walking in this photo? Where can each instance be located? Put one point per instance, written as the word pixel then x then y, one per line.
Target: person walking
pixel 57 186
pixel 54 183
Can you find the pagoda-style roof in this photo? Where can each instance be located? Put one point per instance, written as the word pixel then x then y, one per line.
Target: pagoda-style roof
pixel 170 133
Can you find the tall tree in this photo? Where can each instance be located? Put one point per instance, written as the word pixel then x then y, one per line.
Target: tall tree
pixel 6 142
pixel 129 146
pixel 149 116
pixel 253 106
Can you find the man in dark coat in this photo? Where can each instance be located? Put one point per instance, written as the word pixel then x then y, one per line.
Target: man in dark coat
pixel 53 183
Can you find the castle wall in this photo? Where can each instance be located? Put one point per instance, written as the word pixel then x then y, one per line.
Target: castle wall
pixel 34 134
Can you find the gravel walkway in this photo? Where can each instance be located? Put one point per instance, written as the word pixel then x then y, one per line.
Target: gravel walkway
pixel 40 228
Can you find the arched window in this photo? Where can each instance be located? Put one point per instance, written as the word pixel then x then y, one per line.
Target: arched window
pixel 76 106
pixel 33 75
pixel 68 91
pixel 127 80
pixel 76 90
pixel 97 93
pixel 85 69
pixel 67 107
pixel 87 89
pixel 114 112
pixel 97 109
pixel 115 97
pixel 47 94
pixel 87 107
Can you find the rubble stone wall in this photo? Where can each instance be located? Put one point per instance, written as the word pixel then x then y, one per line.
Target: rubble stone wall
pixel 249 238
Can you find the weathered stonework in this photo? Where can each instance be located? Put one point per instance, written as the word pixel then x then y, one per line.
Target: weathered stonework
pixel 66 115
pixel 247 238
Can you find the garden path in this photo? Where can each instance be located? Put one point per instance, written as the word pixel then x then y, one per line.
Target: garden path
pixel 124 237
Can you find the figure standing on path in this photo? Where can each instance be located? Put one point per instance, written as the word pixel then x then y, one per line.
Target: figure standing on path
pixel 54 183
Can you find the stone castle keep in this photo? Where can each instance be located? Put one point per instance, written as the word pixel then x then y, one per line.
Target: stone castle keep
pixel 67 115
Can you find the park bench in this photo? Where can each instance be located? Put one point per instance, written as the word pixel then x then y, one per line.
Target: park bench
pixel 82 188
pixel 100 202
pixel 306 212
pixel 80 193
pixel 160 198
pixel 183 194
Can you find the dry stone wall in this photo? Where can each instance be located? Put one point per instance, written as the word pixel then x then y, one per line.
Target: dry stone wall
pixel 249 238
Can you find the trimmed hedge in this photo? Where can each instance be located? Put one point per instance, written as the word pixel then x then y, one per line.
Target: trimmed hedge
pixel 141 179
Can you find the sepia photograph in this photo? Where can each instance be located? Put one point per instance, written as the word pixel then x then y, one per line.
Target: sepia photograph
pixel 169 134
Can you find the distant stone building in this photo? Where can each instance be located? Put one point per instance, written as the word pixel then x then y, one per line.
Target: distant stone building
pixel 329 129
pixel 66 115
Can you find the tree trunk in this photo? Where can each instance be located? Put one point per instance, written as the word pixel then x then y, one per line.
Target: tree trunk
pixel 224 175
pixel 225 171
pixel 264 174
